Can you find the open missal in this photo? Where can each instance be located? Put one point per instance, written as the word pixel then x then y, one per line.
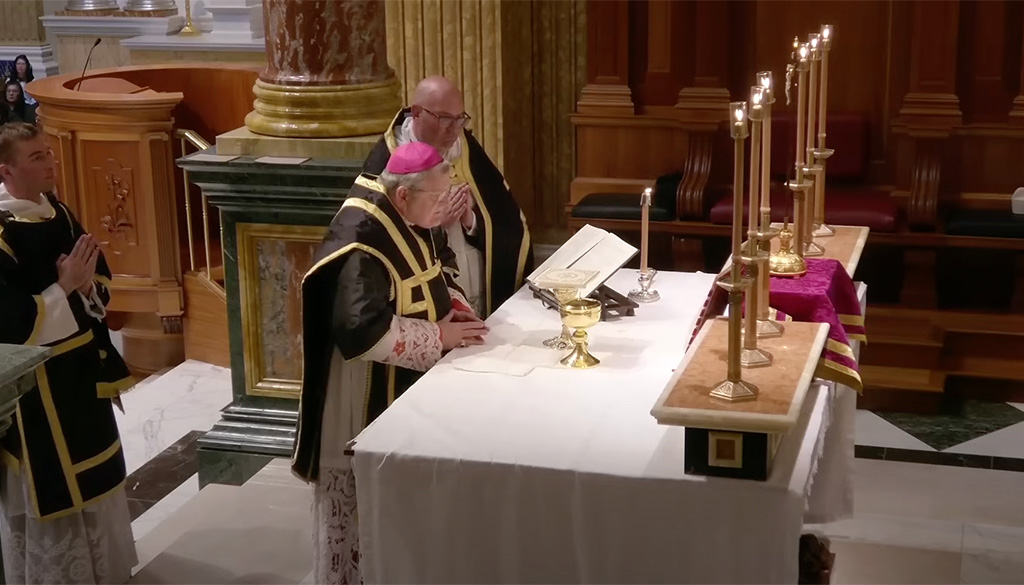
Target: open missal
pixel 592 254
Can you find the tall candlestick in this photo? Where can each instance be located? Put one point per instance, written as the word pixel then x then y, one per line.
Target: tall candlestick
pixel 764 78
pixel 800 192
pixel 823 48
pixel 766 327
pixel 645 206
pixel 812 248
pixel 821 228
pixel 756 119
pixel 752 356
pixel 734 388
pixel 738 131
pixel 812 99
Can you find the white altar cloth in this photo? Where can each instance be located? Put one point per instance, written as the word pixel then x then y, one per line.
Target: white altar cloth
pixel 564 476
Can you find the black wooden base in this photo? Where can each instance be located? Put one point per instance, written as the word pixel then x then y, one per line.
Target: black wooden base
pixel 739 455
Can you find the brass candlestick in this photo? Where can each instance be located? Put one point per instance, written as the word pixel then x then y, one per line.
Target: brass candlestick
pixel 753 356
pixel 563 340
pixel 734 388
pixel 580 314
pixel 189 30
pixel 766 326
pixel 812 248
pixel 822 229
pixel 800 185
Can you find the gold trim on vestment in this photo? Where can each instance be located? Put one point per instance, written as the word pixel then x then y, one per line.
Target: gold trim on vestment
pixel 97 459
pixel 59 441
pixel 114 389
pixel 40 319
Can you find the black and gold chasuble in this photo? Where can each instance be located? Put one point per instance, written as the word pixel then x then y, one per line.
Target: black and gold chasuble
pixel 502 234
pixel 65 437
pixel 371 267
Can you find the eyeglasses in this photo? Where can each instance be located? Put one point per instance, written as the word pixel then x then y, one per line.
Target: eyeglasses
pixel 448 121
pixel 434 193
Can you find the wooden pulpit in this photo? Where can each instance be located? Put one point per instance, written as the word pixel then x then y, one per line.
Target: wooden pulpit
pixel 112 139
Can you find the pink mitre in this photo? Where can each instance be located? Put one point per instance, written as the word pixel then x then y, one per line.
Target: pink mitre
pixel 413 157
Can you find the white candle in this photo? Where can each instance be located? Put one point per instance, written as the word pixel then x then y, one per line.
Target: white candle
pixel 645 206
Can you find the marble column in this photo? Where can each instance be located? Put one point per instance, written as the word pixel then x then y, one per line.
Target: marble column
pixel 327 72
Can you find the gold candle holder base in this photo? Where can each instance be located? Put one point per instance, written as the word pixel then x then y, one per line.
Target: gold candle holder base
pixel 823 230
pixel 580 314
pixel 812 249
pixel 735 391
pixel 755 358
pixel 769 328
pixel 189 30
pixel 563 340
pixel 786 262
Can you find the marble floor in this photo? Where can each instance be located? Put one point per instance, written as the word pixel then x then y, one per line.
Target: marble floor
pixel 938 499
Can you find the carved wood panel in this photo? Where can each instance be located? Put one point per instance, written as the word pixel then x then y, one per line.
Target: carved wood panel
pixel 113 203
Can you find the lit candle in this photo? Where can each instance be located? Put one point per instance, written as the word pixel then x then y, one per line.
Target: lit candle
pixel 764 79
pixel 756 116
pixel 645 206
pixel 812 97
pixel 826 44
pixel 738 130
pixel 801 111
pixel 800 215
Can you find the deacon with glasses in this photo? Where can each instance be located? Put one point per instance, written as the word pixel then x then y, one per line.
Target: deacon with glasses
pixel 485 226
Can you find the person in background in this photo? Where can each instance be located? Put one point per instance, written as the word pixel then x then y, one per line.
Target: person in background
pixel 18 110
pixel 486 229
pixel 63 508
pixel 23 75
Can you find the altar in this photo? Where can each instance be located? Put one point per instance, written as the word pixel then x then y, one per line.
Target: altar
pixel 557 475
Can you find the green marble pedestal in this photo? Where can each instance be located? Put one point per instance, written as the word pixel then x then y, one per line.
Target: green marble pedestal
pixel 18 365
pixel 273 218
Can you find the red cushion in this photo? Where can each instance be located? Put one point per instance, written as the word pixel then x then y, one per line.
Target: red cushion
pixel 868 207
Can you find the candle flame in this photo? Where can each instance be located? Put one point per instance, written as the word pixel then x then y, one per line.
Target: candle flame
pixel 756 94
pixel 765 77
pixel 826 31
pixel 738 112
pixel 803 52
pixel 814 41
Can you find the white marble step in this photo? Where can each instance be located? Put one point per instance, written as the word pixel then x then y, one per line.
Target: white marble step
pixel 255 533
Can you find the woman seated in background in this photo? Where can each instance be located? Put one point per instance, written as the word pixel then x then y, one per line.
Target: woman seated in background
pixel 16 106
pixel 23 75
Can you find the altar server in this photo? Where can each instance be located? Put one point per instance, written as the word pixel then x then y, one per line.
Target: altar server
pixel 64 511
pixel 485 226
pixel 380 305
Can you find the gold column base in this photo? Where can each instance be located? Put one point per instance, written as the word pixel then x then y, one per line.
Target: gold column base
pixel 324 111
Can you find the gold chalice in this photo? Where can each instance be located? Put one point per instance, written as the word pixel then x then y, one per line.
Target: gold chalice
pixel 580 314
pixel 562 341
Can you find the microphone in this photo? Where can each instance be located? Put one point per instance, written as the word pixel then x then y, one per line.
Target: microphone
pixel 86 66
